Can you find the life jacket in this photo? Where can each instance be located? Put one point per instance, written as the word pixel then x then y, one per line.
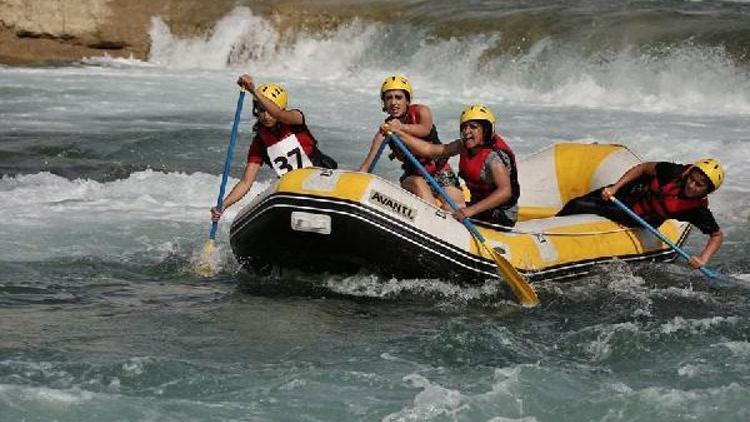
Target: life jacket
pixel 663 201
pixel 470 169
pixel 432 165
pixel 270 136
pixel 292 160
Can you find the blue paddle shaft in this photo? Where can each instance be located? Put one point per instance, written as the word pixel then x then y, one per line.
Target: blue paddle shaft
pixel 515 281
pixel 228 161
pixel 377 156
pixel 657 233
pixel 469 225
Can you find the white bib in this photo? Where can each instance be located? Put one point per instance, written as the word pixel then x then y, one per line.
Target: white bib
pixel 287 155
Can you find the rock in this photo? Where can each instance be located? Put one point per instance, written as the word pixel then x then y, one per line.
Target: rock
pixel 50 31
pixel 34 32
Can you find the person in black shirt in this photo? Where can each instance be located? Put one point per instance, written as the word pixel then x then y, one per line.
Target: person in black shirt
pixel 657 191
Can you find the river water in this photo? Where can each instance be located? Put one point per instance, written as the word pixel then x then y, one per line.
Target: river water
pixel 109 167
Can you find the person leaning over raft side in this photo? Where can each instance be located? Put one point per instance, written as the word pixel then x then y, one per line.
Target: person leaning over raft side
pixel 657 191
pixel 416 120
pixel 281 139
pixel 487 165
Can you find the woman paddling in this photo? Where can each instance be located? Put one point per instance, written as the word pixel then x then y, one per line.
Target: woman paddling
pixel 487 165
pixel 416 120
pixel 657 191
pixel 281 139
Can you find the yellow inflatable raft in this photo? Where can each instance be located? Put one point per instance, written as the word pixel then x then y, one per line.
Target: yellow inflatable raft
pixel 341 221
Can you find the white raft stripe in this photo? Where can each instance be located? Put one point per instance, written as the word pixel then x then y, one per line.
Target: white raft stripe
pixel 381 227
pixel 434 239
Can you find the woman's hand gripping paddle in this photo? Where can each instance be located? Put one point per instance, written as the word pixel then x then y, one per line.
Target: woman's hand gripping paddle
pixel 206 265
pixel 521 288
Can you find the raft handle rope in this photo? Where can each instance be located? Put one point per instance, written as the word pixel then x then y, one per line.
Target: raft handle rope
pixel 513 230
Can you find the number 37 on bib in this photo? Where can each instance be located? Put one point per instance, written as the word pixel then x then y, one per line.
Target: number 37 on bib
pixel 287 155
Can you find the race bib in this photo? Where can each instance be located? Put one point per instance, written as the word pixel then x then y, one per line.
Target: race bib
pixel 287 155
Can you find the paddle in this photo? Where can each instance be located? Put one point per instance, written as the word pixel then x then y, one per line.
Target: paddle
pixel 707 272
pixel 205 263
pixel 521 288
pixel 377 156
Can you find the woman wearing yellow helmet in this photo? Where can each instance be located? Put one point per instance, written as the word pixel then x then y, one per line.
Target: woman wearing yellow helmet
pixel 487 165
pixel 416 120
pixel 281 139
pixel 658 191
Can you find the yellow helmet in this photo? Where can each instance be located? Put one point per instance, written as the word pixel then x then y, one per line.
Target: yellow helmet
pixel 275 93
pixel 478 112
pixel 396 82
pixel 712 169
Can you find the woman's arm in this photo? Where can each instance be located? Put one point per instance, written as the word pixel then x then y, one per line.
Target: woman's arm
pixel 376 141
pixel 423 127
pixel 239 190
pixel 712 246
pixel 423 148
pixel 289 117
pixel 635 172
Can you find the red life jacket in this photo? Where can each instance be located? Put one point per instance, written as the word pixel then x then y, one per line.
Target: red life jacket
pixel 270 136
pixel 661 202
pixel 305 138
pixel 432 165
pixel 470 169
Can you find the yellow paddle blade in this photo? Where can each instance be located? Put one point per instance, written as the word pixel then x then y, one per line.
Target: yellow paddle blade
pixel 205 264
pixel 521 288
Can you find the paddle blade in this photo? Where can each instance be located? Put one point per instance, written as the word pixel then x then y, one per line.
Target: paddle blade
pixel 205 264
pixel 724 280
pixel 521 288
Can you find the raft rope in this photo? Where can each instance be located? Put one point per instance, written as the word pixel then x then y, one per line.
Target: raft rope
pixel 595 233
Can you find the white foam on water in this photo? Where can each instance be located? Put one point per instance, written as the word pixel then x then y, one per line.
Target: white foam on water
pixel 687 292
pixel 695 326
pixel 432 402
pixel 135 366
pixel 601 348
pixel 44 395
pixel 117 62
pixel 503 399
pixel 738 348
pixel 684 79
pixel 371 285
pixel 695 370
pixel 82 217
pixel 214 50
pixel 613 279
pixel 699 400
pixel 31 199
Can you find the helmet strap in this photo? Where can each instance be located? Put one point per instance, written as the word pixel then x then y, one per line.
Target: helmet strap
pixel 487 129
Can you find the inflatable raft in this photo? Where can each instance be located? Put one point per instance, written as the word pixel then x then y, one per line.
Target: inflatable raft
pixel 342 221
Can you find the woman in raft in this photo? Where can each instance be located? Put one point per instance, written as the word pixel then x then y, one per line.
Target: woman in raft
pixel 487 165
pixel 415 120
pixel 657 191
pixel 281 139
